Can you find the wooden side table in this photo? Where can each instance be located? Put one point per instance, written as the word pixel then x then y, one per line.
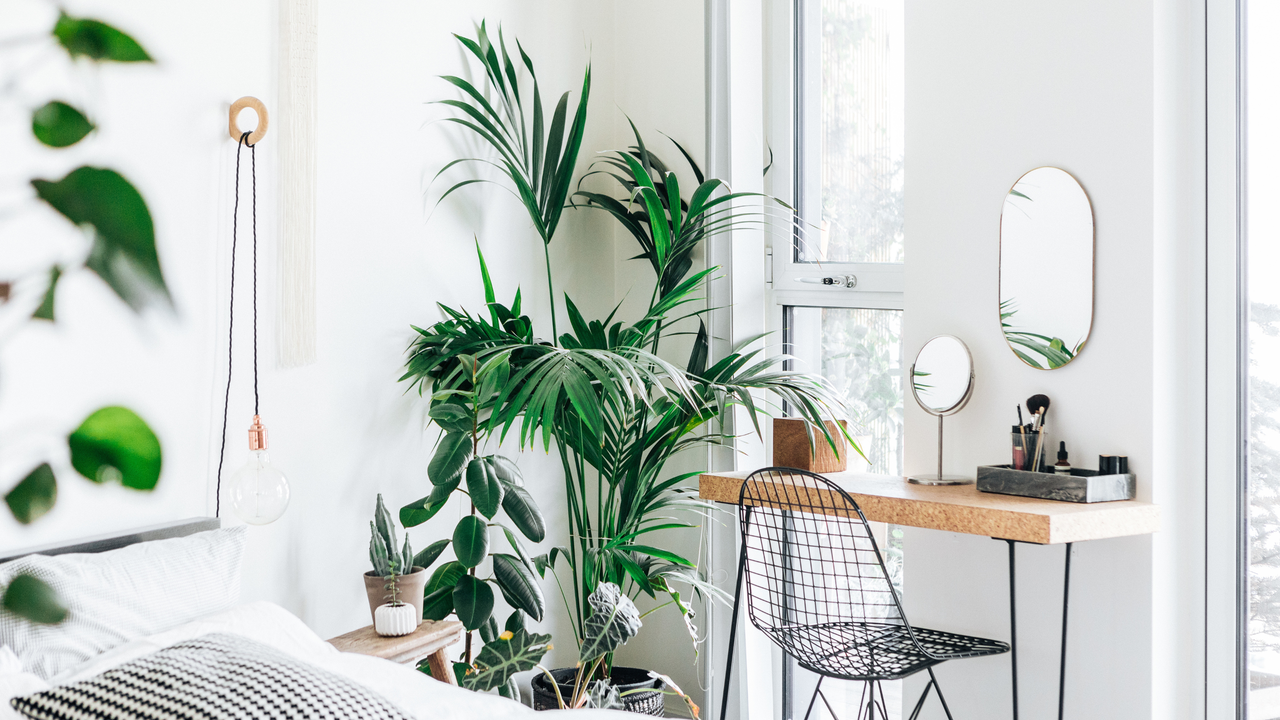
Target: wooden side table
pixel 429 641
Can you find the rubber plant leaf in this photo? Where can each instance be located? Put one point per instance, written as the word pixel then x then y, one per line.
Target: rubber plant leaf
pixel 97 41
pixel 124 241
pixel 34 496
pixel 450 458
pixel 59 125
pixel 518 585
pixel 428 556
pixel 30 597
pixel 472 601
pixel 524 513
pixel 483 486
pixel 470 541
pixel 115 444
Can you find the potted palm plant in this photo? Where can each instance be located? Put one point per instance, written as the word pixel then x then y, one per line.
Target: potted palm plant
pixel 616 410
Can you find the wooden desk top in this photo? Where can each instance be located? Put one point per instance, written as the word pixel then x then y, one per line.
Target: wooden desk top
pixel 427 639
pixel 962 509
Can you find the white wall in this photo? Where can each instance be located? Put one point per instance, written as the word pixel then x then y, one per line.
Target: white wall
pixel 995 89
pixel 343 428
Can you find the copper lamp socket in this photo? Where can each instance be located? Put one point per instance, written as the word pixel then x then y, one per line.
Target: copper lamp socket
pixel 257 435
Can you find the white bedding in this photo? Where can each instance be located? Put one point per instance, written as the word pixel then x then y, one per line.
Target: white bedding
pixel 416 693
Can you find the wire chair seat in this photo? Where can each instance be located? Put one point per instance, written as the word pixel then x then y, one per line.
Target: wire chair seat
pixel 876 651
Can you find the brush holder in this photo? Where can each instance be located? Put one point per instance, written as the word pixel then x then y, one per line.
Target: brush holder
pixel 1024 445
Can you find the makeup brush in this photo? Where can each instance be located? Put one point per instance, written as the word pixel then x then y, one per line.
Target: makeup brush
pixel 1039 406
pixel 1022 432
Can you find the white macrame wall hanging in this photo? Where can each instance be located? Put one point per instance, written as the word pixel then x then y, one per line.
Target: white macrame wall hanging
pixel 297 258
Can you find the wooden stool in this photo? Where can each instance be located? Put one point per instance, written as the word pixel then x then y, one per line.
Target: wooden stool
pixel 429 641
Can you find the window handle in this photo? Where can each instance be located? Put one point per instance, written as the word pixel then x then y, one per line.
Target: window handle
pixel 845 281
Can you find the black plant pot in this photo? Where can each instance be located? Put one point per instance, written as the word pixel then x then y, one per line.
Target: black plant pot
pixel 624 678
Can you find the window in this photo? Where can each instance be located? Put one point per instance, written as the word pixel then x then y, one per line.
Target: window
pixel 837 290
pixel 1261 226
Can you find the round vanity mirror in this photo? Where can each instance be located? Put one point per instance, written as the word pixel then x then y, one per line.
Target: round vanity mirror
pixel 942 383
pixel 1046 268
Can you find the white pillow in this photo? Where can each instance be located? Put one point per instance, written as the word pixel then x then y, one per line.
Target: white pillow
pixel 119 595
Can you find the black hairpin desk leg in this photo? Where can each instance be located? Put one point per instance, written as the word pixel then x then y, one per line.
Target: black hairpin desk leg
pixel 1013 624
pixel 1013 628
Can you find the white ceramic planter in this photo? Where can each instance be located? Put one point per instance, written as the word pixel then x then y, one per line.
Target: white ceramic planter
pixel 392 620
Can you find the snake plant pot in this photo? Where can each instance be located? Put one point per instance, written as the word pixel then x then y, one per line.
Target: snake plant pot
pixel 647 702
pixel 392 620
pixel 410 586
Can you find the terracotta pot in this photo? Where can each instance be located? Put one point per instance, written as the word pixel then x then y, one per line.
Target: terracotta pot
pixel 411 587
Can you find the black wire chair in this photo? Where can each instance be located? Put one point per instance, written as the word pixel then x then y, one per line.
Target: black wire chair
pixel 818 587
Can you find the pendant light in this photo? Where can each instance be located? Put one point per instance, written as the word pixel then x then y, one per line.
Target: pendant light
pixel 259 490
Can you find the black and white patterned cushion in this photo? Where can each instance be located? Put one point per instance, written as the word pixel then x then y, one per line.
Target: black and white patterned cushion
pixel 210 678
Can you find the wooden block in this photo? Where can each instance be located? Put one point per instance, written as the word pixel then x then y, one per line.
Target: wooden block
pixel 791 447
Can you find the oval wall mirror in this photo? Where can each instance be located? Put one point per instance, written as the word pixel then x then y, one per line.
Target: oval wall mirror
pixel 1046 268
pixel 942 383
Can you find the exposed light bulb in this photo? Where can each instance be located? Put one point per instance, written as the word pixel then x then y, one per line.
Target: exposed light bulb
pixel 259 491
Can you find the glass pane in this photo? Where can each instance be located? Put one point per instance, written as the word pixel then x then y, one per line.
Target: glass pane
pixel 1262 224
pixel 860 352
pixel 860 148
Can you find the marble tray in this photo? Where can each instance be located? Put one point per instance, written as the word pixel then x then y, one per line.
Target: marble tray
pixel 1081 486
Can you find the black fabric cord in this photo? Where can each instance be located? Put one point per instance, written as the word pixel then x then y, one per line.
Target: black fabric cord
pixel 231 313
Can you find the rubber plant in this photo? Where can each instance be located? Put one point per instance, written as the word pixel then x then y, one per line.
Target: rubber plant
pixel 113 444
pixel 616 410
pixel 461 405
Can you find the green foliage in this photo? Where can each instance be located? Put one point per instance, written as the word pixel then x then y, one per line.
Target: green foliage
pixel 615 408
pixel 383 553
pixel 115 444
pixel 613 621
pixel 34 496
pixel 515 651
pixel 483 487
pixel 539 162
pixel 124 243
pixel 427 557
pixel 97 41
pixel 518 586
pixel 472 601
pixel 30 597
pixel 59 125
pixel 45 311
pixel 471 541
pixel 1038 351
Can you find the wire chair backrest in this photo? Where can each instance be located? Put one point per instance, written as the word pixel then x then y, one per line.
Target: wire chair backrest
pixel 810 558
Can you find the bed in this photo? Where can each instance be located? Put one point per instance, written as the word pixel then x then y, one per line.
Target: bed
pixel 156 630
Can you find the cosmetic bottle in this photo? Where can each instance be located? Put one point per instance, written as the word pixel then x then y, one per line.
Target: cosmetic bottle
pixel 1062 467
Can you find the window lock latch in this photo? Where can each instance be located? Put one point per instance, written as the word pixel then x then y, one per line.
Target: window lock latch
pixel 844 281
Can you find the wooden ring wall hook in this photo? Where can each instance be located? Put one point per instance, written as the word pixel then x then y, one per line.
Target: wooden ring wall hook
pixel 233 127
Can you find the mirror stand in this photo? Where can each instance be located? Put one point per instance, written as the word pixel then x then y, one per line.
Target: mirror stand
pixel 939 478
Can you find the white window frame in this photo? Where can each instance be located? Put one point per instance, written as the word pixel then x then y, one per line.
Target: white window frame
pixel 880 286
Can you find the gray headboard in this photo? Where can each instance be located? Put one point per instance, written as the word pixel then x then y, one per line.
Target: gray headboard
pixel 102 543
